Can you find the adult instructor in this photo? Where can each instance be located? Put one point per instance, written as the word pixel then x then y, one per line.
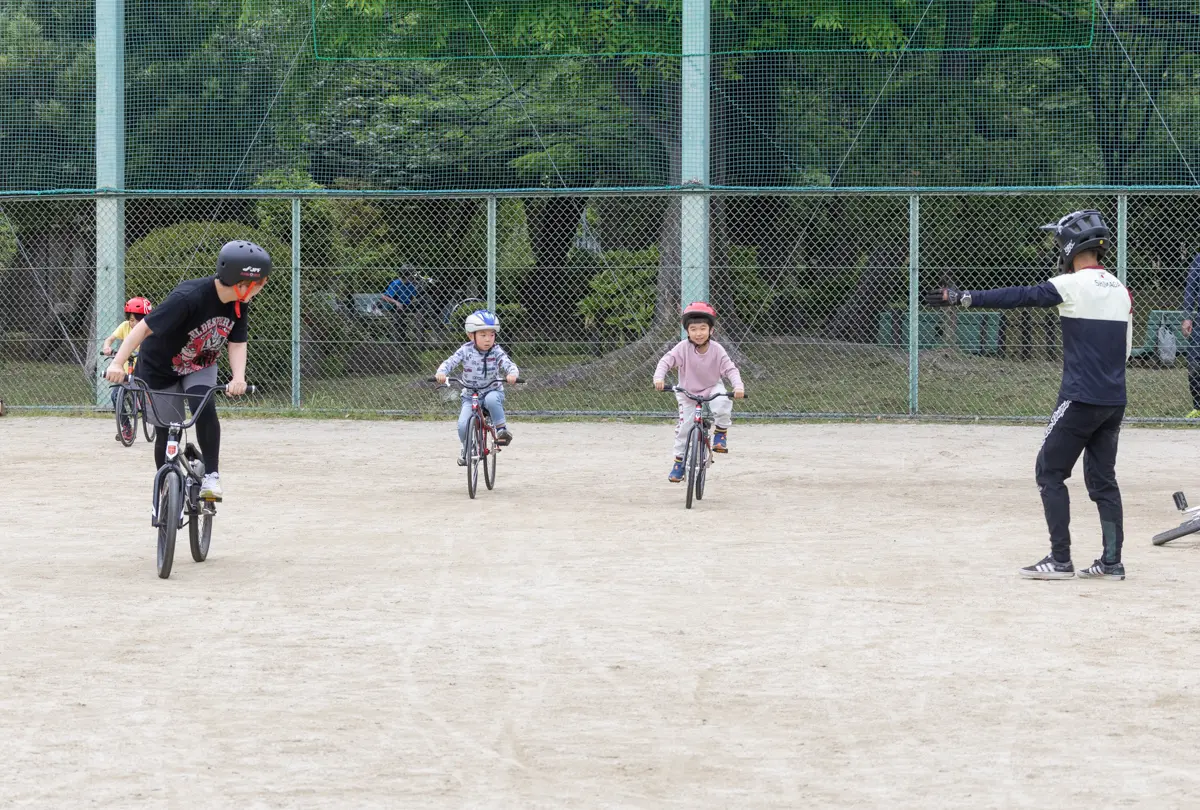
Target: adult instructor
pixel 1097 332
pixel 1191 303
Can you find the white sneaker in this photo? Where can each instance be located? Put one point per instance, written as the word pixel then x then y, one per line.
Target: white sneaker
pixel 210 487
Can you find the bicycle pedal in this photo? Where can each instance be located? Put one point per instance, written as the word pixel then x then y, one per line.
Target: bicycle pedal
pixel 1180 501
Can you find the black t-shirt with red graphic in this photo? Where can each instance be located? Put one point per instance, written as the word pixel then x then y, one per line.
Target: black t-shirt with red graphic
pixel 189 329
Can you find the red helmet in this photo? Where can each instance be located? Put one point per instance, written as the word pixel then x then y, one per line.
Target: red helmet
pixel 138 306
pixel 699 311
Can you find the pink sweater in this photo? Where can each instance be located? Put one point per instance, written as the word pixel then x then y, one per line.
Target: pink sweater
pixel 698 372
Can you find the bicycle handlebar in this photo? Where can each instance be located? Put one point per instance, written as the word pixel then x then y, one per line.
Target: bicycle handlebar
pixel 137 384
pixel 675 389
pixel 459 381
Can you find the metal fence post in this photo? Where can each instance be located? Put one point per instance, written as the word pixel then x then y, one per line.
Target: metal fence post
pixel 110 174
pixel 694 167
pixel 295 302
pixel 914 281
pixel 491 253
pixel 1122 236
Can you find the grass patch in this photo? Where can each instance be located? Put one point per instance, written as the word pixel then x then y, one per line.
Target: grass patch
pixel 813 378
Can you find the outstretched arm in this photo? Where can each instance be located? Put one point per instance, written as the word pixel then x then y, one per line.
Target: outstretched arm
pixel 1039 295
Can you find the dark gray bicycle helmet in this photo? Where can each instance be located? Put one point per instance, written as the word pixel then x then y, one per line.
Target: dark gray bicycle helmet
pixel 242 261
pixel 1077 232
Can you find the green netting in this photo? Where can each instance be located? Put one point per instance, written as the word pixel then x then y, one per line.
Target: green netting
pixel 485 29
pixel 517 94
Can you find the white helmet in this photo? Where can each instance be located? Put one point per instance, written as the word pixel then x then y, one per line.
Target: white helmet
pixel 481 319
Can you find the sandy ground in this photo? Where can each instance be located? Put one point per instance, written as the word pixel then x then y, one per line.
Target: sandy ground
pixel 838 623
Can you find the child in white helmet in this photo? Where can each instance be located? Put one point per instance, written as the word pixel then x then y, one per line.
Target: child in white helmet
pixel 482 360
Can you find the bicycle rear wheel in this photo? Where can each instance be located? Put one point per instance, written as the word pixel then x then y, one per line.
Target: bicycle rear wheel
pixel 1182 530
pixel 199 522
pixel 472 452
pixel 169 496
pixel 489 461
pixel 199 536
pixel 692 454
pixel 126 417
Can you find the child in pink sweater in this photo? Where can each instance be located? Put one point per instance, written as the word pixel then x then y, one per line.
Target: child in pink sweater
pixel 701 362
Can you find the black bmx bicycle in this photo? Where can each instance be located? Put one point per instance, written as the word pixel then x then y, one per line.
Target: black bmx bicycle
pixel 176 492
pixel 697 454
pixel 1190 524
pixel 482 446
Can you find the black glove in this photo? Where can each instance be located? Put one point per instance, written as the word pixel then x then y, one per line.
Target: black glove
pixel 947 297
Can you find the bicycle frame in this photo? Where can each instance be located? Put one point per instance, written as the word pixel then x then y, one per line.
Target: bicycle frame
pixel 176 435
pixel 699 419
pixel 485 423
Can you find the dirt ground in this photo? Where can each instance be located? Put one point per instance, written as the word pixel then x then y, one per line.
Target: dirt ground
pixel 838 623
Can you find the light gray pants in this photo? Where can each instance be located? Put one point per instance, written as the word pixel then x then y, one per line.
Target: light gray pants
pixel 721 408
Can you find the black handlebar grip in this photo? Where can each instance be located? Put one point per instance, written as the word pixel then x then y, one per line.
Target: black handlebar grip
pixel 520 379
pixel 432 379
pixel 250 389
pixel 745 395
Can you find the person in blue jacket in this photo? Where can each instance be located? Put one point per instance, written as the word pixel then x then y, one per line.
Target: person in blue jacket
pixel 1191 302
pixel 1096 311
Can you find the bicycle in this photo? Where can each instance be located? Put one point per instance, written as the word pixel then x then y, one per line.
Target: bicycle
pixel 482 445
pixel 1190 525
pixel 176 490
pixel 697 453
pixel 130 406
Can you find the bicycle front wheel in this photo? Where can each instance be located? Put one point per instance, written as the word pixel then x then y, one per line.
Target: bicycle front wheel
pixel 126 417
pixel 170 493
pixel 702 471
pixel 692 454
pixel 472 451
pixel 489 460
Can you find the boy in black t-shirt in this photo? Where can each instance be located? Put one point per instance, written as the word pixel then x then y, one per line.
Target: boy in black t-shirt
pixel 181 341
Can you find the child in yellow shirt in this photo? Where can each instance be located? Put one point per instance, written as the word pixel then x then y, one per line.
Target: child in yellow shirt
pixel 136 309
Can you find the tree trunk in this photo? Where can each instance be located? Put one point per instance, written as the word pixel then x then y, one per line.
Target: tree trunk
pixel 550 290
pixel 856 319
pixel 57 269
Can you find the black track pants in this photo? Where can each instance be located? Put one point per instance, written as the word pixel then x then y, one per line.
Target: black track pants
pixel 1092 430
pixel 1194 379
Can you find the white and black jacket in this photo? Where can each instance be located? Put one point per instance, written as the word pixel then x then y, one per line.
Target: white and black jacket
pixel 1096 311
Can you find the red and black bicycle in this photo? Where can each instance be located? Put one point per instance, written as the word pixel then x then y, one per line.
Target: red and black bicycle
pixel 697 454
pixel 481 447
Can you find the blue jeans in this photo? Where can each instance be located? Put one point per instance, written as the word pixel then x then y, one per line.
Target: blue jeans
pixel 493 401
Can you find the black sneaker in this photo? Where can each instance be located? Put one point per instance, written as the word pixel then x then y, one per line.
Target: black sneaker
pixel 1049 568
pixel 1101 570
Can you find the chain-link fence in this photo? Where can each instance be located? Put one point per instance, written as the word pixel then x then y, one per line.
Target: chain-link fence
pixel 817 295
